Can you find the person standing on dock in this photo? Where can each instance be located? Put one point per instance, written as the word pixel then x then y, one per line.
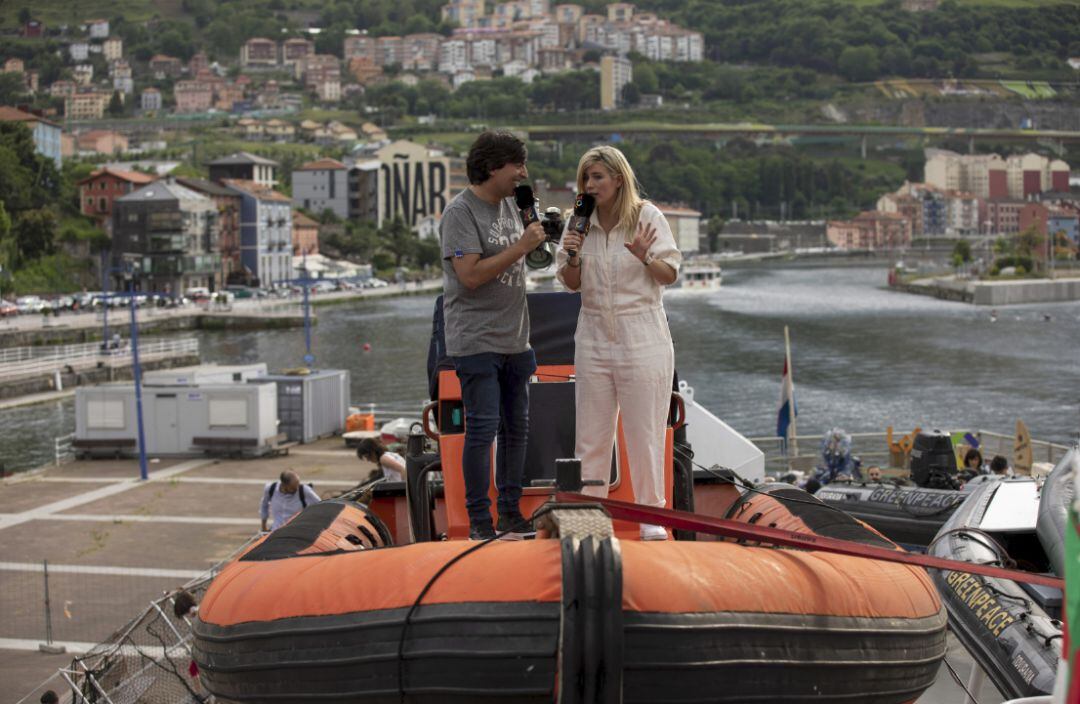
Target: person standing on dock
pixel 487 324
pixel 623 355
pixel 284 498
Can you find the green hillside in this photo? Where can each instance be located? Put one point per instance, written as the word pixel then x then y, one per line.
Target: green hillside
pixel 870 40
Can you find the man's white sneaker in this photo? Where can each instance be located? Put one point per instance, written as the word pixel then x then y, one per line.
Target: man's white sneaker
pixel 651 532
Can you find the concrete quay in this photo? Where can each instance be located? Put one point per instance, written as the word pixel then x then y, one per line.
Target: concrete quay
pixel 114 543
pixel 995 293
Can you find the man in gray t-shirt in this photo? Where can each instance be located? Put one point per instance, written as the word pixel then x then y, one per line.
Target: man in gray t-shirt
pixel 487 325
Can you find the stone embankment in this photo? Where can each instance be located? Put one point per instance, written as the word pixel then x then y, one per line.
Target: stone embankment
pixel 994 293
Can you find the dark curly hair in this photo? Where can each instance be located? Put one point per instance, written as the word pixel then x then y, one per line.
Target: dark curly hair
pixel 492 151
pixel 370 449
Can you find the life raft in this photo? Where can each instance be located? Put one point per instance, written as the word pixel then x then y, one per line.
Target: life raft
pixel 323 610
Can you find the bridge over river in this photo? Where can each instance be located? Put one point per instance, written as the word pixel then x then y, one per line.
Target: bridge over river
pixel 749 130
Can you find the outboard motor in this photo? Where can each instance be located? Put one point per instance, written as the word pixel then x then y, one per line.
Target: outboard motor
pixel 933 462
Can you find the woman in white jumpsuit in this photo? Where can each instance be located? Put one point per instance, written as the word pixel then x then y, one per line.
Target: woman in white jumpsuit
pixel 623 355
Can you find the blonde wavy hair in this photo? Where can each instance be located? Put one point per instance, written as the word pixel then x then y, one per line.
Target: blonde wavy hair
pixel 628 202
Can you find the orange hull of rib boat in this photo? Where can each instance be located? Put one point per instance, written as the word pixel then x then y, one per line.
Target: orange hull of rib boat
pixel 566 619
pixel 326 608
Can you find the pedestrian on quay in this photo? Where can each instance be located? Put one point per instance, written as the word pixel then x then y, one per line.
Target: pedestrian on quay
pixel 623 355
pixel 284 498
pixel 487 325
pixel 390 465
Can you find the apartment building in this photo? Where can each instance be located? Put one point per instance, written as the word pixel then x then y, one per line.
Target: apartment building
pixel 170 234
pixel 259 52
pixel 870 229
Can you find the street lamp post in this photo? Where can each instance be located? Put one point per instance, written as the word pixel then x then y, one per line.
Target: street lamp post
pixel 136 369
pixel 136 372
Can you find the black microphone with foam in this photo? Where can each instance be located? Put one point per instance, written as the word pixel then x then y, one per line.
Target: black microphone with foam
pixel 584 205
pixel 526 203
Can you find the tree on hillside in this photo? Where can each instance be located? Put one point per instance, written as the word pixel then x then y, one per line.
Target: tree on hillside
pixel 858 63
pixel 30 191
pixel 12 88
pixel 8 251
pixel 116 105
pixel 961 253
pixel 398 239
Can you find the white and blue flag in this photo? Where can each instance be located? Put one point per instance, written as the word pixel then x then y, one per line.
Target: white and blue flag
pixel 788 408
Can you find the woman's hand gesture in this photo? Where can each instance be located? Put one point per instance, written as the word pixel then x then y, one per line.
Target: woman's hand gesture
pixel 643 240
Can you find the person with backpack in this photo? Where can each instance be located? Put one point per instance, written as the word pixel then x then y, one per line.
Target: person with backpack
pixel 284 498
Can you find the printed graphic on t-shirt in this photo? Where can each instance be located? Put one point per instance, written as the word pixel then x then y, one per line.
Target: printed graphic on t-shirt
pixel 504 232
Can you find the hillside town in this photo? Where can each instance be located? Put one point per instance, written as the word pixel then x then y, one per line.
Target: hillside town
pixel 522 38
pixel 133 125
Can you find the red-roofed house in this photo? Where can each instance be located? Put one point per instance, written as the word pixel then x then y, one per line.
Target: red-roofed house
pixel 871 229
pixel 46 133
pixel 102 142
pixel 305 234
pixel 98 191
pixel 165 66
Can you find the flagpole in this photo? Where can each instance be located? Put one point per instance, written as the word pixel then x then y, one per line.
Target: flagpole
pixel 791 405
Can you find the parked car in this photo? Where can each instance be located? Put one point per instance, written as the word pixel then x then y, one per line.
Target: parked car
pixel 197 293
pixel 241 291
pixel 29 304
pixel 8 309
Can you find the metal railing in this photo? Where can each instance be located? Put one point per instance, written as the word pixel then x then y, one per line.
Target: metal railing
pixel 873 449
pixel 93 355
pixel 148 659
pixel 63 449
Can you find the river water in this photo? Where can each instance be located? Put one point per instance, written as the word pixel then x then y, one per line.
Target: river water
pixel 863 358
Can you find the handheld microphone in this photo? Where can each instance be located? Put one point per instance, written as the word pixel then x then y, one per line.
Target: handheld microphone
pixel 526 203
pixel 584 205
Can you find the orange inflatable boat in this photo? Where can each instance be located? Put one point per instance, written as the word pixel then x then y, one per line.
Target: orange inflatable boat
pixel 329 608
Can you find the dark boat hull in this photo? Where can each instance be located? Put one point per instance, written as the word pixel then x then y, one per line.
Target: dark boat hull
pixel 911 516
pixel 1057 494
pixel 1006 628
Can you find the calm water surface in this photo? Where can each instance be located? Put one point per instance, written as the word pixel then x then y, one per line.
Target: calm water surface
pixel 863 358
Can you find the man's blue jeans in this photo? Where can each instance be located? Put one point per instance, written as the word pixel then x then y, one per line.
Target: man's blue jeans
pixel 495 392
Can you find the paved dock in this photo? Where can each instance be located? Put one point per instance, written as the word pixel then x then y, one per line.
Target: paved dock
pixel 114 543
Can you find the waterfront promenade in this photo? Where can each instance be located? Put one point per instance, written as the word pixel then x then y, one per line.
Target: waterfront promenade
pixel 249 313
pixel 114 543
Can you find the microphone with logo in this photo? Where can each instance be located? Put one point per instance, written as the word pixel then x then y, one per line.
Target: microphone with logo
pixel 584 205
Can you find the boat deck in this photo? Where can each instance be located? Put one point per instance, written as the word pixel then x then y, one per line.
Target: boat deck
pixel 114 543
